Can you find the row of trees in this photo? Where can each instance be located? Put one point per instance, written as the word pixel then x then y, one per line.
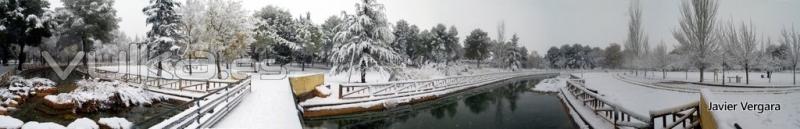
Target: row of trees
pixel 81 23
pixel 704 44
pixel 362 41
pixel 366 41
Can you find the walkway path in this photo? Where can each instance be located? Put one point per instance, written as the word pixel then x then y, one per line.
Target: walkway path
pixel 269 106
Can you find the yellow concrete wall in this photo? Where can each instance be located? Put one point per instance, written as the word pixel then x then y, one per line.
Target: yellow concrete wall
pixel 306 84
pixel 706 119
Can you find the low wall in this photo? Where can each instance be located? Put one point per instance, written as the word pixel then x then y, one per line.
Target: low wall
pixel 302 85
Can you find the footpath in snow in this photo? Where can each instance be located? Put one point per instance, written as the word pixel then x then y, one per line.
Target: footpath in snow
pixel 269 106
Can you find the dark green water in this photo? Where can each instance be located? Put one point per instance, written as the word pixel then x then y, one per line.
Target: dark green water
pixel 508 104
pixel 34 109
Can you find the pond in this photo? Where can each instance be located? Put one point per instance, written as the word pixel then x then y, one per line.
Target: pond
pixel 34 108
pixel 509 104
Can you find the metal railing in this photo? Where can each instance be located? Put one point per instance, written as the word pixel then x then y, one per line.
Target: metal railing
pixel 406 88
pixel 686 114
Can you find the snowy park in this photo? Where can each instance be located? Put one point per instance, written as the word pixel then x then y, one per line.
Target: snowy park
pixel 378 64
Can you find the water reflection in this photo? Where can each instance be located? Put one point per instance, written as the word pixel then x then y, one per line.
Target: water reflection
pixel 504 105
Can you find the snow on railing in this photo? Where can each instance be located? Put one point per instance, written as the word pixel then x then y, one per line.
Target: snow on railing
pixel 178 84
pixel 209 109
pixel 413 87
pixel 681 114
pixel 610 111
pixel 686 115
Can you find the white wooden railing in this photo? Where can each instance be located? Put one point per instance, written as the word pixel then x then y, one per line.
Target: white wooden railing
pixel 686 115
pixel 159 82
pixel 209 109
pixel 407 88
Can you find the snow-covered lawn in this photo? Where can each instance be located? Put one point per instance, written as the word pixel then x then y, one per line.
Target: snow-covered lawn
pixel 788 117
pixel 784 78
pixel 642 99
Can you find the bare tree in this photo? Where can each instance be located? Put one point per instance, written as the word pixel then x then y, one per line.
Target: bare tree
pixel 695 34
pixel 636 46
pixel 792 39
pixel 741 45
pixel 661 58
pixel 191 26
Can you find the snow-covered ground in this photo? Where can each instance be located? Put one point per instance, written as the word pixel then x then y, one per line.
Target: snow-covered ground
pixel 641 99
pixel 784 78
pixel 269 106
pixel 551 84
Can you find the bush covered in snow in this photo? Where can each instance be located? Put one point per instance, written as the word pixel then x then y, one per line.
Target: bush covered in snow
pixel 22 86
pixel 106 94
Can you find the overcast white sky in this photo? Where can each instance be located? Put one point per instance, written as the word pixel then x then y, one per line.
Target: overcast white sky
pixel 539 23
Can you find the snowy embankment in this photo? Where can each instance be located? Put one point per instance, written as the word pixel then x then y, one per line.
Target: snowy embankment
pixel 88 90
pixel 19 89
pixel 551 84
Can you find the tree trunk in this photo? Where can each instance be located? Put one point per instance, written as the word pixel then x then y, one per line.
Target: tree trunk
pixel 363 75
pixel 479 63
pixel 747 73
pixel 219 71
pixel 21 59
pixel 85 53
pixel 302 66
pixel 159 69
pixel 190 63
pixel 701 74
